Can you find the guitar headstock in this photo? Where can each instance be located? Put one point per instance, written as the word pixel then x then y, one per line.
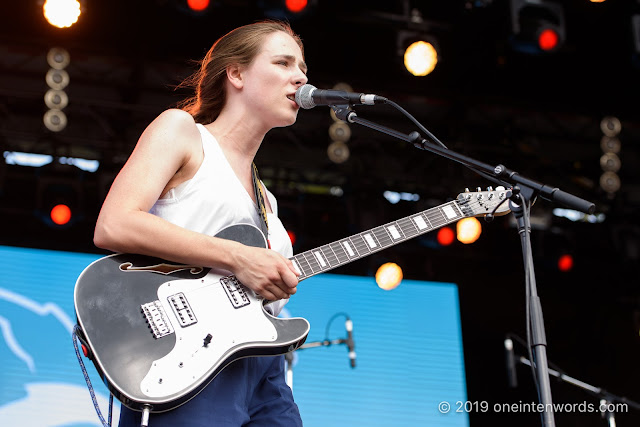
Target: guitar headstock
pixel 482 203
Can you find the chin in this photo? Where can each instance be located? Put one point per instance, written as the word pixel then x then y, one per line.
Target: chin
pixel 288 121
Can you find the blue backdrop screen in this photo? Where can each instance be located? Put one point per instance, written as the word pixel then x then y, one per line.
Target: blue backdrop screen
pixel 408 344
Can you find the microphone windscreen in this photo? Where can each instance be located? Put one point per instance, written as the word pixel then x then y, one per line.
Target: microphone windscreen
pixel 304 98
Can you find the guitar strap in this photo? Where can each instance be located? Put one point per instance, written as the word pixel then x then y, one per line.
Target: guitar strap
pixel 262 210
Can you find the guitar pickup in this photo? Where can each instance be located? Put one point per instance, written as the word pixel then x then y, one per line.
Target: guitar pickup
pixel 182 309
pixel 235 291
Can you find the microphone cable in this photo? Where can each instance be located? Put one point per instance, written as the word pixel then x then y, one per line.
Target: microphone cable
pixel 435 140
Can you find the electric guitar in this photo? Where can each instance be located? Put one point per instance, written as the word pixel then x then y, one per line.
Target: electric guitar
pixel 158 332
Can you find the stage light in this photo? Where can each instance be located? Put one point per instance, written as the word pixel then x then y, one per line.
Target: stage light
pixel 292 237
pixel 58 202
pixel 61 13
pixel 296 6
pixel 565 263
pixel 87 165
pixel 58 58
pixel 537 25
pixel 548 39
pixel 198 5
pixel 468 230
pixel 339 131
pixel 610 162
pixel 27 159
pixel 420 58
pixel 610 144
pixel 57 79
pixel 446 236
pixel 60 214
pixel 610 182
pixel 287 9
pixel 338 152
pixel 610 126
pixel 55 120
pixel 56 99
pixel 389 276
pixel 394 197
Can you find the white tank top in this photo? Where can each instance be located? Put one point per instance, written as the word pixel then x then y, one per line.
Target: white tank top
pixel 215 198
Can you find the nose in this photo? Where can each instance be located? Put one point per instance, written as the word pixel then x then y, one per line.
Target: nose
pixel 301 78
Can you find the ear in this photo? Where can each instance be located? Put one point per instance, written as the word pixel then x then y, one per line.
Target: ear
pixel 234 75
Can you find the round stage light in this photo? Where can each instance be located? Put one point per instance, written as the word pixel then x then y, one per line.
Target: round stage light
pixel 446 236
pixel 296 6
pixel 420 58
pixel 61 13
pixel 468 230
pixel 198 5
pixel 55 120
pixel 389 276
pixel 60 214
pixel 565 263
pixel 548 39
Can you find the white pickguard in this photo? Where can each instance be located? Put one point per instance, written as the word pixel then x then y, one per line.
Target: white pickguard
pixel 190 362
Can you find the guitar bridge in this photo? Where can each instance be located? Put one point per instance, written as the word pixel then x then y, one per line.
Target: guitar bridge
pixel 157 319
pixel 235 291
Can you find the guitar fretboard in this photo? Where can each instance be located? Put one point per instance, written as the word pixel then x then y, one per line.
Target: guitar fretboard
pixel 343 251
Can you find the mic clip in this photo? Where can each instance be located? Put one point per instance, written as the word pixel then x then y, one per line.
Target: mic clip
pixel 343 112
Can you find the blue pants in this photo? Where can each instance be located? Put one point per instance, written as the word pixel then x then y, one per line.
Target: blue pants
pixel 249 392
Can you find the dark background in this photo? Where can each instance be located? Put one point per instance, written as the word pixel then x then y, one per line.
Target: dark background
pixel 539 114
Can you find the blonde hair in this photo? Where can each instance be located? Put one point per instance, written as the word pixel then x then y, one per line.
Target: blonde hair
pixel 239 46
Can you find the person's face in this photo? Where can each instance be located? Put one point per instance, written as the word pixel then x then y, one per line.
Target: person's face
pixel 271 80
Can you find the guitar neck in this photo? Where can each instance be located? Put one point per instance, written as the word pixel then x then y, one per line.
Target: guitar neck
pixel 344 251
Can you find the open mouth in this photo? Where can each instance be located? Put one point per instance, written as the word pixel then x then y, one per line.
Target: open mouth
pixel 292 97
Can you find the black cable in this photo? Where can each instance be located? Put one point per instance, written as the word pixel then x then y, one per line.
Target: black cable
pixel 326 330
pixel 434 139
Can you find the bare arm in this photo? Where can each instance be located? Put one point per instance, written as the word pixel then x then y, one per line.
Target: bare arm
pixel 168 152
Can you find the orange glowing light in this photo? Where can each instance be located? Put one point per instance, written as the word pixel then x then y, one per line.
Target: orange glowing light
pixel 468 230
pixel 61 214
pixel 389 276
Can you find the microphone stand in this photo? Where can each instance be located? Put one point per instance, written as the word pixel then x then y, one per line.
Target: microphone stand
pixel 520 198
pixel 605 397
pixel 289 356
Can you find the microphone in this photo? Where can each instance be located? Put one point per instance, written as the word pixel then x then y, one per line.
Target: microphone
pixel 348 324
pixel 512 379
pixel 308 96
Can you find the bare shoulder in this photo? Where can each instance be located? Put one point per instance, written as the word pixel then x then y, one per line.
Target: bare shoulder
pixel 172 131
pixel 175 123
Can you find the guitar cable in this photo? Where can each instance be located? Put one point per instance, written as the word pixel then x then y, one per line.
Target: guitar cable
pixel 75 335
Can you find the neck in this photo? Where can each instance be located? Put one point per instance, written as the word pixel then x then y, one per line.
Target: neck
pixel 238 135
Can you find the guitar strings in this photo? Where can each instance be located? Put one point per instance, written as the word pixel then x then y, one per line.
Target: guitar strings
pixel 310 257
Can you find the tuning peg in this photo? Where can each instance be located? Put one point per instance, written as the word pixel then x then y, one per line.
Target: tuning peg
pixel 478 189
pixel 489 188
pixel 466 190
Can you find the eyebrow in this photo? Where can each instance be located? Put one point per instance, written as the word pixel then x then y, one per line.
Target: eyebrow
pixel 291 58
